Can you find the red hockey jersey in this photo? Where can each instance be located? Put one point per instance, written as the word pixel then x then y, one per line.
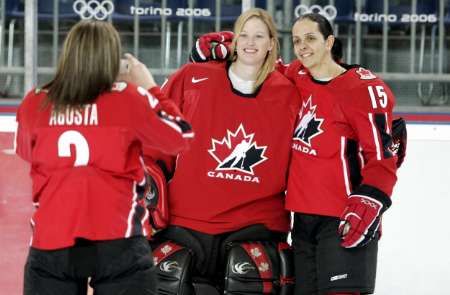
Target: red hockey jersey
pixel 341 142
pixel 235 172
pixel 85 164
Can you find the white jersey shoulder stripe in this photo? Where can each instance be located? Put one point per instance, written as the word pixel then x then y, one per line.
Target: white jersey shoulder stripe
pixel 375 137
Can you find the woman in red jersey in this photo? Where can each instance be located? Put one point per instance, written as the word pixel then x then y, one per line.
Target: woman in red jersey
pixel 342 171
pixel 84 136
pixel 229 186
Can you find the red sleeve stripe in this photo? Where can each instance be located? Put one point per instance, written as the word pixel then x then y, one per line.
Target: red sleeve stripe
pixel 376 139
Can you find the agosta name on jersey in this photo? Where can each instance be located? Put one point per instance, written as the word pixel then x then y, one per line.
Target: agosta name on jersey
pixel 86 117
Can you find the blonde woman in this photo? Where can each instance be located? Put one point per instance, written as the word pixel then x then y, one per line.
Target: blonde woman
pixel 229 186
pixel 84 136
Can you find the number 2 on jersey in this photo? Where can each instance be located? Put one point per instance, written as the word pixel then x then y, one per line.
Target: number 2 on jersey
pixel 377 96
pixel 81 147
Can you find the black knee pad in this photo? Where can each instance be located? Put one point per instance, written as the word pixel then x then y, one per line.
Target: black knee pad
pixel 205 289
pixel 173 267
pixel 259 268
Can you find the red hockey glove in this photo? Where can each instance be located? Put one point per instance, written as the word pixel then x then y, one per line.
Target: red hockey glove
pixel 212 46
pixel 361 218
pixel 156 196
pixel 399 140
pixel 169 112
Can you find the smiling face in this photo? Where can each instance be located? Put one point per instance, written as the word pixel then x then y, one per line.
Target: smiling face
pixel 253 42
pixel 310 46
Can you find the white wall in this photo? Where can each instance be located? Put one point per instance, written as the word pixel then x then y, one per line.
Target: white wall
pixel 414 250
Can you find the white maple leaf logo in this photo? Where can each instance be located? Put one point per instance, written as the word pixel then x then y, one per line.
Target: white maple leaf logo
pixel 237 151
pixel 309 125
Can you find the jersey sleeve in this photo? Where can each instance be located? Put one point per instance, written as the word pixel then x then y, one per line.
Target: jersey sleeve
pixel 23 136
pixel 172 90
pixel 290 70
pixel 281 67
pixel 153 131
pixel 368 111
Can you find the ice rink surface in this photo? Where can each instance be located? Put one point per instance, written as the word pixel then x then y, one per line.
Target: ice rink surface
pixel 15 212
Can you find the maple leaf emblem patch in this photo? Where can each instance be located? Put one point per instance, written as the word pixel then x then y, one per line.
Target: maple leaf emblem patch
pixel 309 125
pixel 237 151
pixel 365 74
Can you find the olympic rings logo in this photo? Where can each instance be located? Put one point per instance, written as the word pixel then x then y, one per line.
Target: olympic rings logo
pixel 329 11
pixel 93 9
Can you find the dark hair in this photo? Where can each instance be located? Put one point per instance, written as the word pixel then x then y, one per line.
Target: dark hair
pixel 88 65
pixel 325 27
pixel 337 50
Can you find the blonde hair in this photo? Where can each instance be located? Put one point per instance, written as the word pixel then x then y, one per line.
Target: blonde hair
pixel 269 63
pixel 88 65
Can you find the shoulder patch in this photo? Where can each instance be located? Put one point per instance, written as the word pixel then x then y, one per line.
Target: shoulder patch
pixel 365 74
pixel 119 86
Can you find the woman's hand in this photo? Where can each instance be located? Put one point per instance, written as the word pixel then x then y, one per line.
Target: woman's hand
pixel 134 71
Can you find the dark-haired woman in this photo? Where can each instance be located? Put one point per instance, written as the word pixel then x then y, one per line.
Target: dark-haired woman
pixel 342 169
pixel 84 136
